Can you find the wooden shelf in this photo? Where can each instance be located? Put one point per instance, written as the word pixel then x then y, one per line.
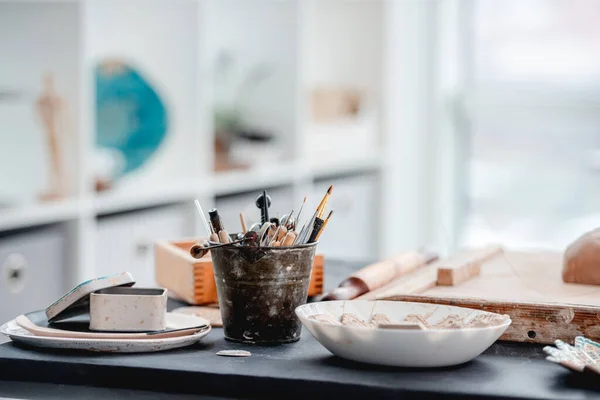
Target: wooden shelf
pixel 131 199
pixel 346 166
pixel 256 178
pixel 39 214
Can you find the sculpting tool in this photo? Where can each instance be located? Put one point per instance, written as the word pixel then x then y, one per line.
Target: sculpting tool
pixel 243 222
pixel 201 248
pixel 289 239
pixel 263 202
pixel 224 236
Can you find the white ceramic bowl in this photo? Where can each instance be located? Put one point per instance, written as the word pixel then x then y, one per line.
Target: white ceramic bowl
pixel 432 347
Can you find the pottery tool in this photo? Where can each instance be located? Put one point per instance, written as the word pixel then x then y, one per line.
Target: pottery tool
pixel 306 229
pixel 215 220
pixel 289 239
pixel 243 222
pixel 317 226
pixel 212 235
pixel 300 212
pixel 217 224
pixel 264 232
pixel 200 248
pixel 263 202
pixel 288 221
pixel 281 234
pixel 324 225
pixel 323 204
pixel 224 236
pixel 377 275
pixel 24 322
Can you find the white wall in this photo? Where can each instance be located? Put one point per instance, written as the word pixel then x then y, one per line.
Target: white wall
pixel 160 40
pixel 36 38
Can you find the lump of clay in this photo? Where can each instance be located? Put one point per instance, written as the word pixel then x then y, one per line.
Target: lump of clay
pixel 581 262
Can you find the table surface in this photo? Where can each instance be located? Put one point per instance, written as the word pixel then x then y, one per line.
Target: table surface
pixel 302 369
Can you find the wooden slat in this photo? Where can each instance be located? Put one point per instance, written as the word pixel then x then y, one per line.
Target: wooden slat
pixel 465 265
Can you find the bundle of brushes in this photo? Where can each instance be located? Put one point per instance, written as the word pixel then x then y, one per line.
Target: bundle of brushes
pixel 270 232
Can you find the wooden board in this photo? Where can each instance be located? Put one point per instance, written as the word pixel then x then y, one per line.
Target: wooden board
pixel 527 286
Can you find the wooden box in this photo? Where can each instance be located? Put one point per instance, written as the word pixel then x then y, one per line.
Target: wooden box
pixel 192 280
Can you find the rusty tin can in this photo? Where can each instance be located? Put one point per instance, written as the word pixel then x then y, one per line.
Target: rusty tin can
pixel 259 288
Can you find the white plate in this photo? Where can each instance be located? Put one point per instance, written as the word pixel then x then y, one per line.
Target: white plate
pixel 432 347
pixel 20 335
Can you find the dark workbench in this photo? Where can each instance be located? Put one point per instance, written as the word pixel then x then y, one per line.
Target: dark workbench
pixel 303 369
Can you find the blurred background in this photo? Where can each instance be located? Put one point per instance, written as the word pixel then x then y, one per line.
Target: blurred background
pixel 442 123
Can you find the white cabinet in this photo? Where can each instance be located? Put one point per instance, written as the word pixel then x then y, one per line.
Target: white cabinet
pixel 32 270
pixel 124 242
pixel 230 207
pixel 352 231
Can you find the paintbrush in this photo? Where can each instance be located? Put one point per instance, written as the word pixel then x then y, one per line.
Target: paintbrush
pixel 323 204
pixel 324 225
pixel 317 226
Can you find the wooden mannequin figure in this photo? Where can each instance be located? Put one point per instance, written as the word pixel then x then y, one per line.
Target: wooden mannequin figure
pixel 51 107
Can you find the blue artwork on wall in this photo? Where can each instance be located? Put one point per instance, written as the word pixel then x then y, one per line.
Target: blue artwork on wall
pixel 131 118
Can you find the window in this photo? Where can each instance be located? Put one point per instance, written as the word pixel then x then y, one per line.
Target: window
pixel 532 102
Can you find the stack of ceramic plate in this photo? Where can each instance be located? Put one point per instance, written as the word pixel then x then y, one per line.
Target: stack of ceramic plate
pixel 66 325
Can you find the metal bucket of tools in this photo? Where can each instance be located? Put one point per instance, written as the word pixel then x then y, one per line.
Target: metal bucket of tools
pixel 259 288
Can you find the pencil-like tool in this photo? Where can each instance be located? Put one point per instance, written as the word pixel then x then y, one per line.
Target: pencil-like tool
pixel 243 222
pixel 204 221
pixel 324 225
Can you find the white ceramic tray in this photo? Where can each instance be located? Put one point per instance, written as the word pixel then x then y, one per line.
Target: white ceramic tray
pixel 453 335
pixel 20 335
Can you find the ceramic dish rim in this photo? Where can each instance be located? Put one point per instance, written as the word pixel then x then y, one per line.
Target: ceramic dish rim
pixel 4 327
pixel 506 324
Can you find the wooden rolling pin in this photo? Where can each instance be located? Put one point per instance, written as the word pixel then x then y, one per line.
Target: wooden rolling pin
pixel 379 274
